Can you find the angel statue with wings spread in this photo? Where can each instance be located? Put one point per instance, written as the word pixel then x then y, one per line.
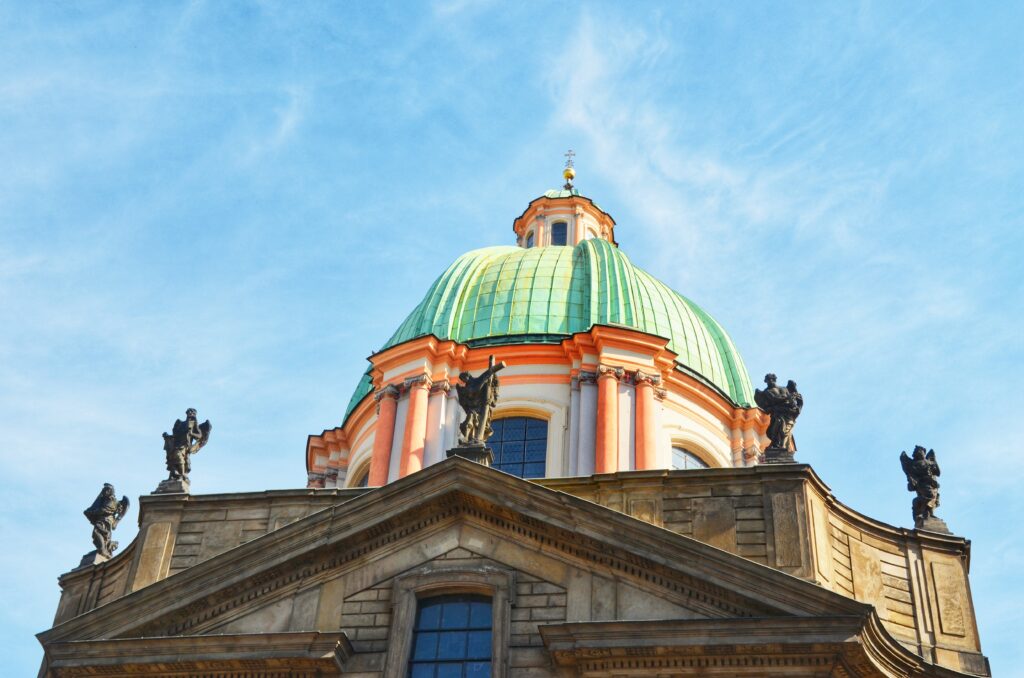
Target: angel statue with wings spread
pixel 783 406
pixel 104 514
pixel 922 473
pixel 186 438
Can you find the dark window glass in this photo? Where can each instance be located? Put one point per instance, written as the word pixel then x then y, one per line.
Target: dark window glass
pixel 452 637
pixel 364 480
pixel 684 459
pixel 529 240
pixel 520 446
pixel 559 233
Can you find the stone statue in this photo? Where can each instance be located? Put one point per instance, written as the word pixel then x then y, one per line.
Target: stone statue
pixel 478 395
pixel 104 514
pixel 922 473
pixel 783 406
pixel 185 439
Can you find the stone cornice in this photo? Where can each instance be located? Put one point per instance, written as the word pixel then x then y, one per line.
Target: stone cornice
pixel 849 645
pixel 389 391
pixel 278 653
pixel 329 542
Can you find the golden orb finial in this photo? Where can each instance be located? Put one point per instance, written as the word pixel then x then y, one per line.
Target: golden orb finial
pixel 569 172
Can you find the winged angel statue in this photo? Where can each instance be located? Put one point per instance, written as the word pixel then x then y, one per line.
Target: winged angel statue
pixel 104 514
pixel 922 477
pixel 186 438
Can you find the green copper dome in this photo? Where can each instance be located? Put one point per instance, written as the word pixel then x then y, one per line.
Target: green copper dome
pixel 504 295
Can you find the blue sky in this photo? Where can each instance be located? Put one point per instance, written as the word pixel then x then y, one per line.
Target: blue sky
pixel 229 206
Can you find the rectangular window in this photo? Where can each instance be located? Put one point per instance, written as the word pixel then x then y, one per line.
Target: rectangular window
pixel 520 446
pixel 452 637
pixel 559 233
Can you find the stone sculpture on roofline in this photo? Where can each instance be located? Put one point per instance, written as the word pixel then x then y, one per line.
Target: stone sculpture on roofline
pixel 104 514
pixel 185 439
pixel 477 396
pixel 783 406
pixel 922 471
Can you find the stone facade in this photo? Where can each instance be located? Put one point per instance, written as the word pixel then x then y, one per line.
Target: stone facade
pixel 747 571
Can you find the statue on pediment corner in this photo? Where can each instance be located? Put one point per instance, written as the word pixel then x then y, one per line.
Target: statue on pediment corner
pixel 104 515
pixel 922 471
pixel 185 439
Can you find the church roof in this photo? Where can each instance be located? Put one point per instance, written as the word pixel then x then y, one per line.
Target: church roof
pixel 505 295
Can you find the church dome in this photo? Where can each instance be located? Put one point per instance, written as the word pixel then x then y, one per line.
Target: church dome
pixel 511 295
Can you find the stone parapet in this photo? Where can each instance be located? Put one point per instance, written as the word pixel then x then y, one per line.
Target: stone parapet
pixel 783 517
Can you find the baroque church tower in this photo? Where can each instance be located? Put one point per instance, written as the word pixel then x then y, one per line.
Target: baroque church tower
pixel 628 525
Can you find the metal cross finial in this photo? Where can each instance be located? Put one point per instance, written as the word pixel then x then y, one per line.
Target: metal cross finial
pixel 568 157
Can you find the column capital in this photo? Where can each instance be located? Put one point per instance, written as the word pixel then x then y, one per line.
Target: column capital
pixel 420 381
pixel 642 378
pixel 615 372
pixel 440 386
pixel 389 391
pixel 584 377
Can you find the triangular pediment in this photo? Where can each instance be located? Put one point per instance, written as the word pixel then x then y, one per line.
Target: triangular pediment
pixel 508 521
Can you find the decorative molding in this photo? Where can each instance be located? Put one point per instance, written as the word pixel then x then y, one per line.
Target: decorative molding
pixel 791 646
pixel 420 381
pixel 389 391
pixel 216 656
pixel 640 377
pixel 617 372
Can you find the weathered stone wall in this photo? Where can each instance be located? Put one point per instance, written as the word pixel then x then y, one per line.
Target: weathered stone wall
pixel 779 516
pixel 179 531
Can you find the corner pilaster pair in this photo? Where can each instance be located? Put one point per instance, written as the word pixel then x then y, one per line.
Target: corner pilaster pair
pixel 414 435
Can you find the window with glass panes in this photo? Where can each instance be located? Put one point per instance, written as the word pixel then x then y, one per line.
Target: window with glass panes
pixel 682 459
pixel 559 233
pixel 452 637
pixel 520 446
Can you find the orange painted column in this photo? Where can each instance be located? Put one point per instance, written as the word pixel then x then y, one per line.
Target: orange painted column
pixel 415 427
pixel 644 429
pixel 607 444
pixel 384 435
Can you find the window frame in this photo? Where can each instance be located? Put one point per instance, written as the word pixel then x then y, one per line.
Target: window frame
pixel 516 414
pixel 362 471
pixel 437 629
pixel 431 581
pixel 560 223
pixel 699 455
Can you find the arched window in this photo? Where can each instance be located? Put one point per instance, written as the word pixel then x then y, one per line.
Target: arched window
pixel 360 476
pixel 682 459
pixel 529 240
pixel 520 446
pixel 559 233
pixel 452 637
